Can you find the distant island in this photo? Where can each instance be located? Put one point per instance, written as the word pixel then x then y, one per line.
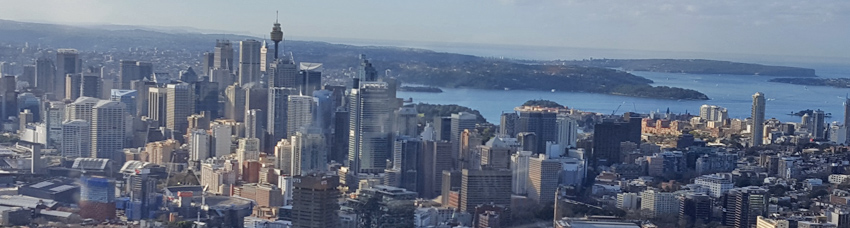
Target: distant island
pixel 834 82
pixel 694 66
pixel 421 89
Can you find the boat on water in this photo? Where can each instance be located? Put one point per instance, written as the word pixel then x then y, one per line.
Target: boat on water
pixel 553 90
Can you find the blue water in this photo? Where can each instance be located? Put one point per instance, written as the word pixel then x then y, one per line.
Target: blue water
pixel 731 91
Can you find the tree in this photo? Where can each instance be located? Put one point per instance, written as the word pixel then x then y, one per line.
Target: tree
pixel 818 193
pixel 543 103
pixel 742 182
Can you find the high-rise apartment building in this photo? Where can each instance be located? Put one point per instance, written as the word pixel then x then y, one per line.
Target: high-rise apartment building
pixel 76 139
pixel 758 119
pixel 659 204
pixel 107 131
pixel 370 127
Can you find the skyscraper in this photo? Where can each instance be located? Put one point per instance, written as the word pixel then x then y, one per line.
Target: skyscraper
pixel 208 63
pixel 283 156
pixel 67 62
pixel 818 124
pixel 484 187
pixel 283 73
pixel 542 122
pixel 129 71
pixel 315 201
pixel 73 83
pixel 436 157
pixel 758 119
pixel 76 139
pixel 542 182
pixel 234 105
pixel 248 150
pixel 91 85
pixel 278 112
pixel 107 131
pixel 266 57
pixel 367 71
pixel 126 97
pixel 309 151
pixel 157 99
pixel 847 117
pixel 221 139
pixel 744 205
pixel 370 128
pixel 206 98
pixel 309 78
pixel 406 121
pixel 608 135
pixel 254 124
pixel 199 145
pixel 81 109
pixel 180 104
pixel 188 75
pixel 223 56
pixel 249 61
pixel 45 71
pixel 567 132
pixel 460 121
pixel 508 124
pixel 299 113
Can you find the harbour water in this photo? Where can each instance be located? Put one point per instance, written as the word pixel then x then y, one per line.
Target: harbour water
pixel 733 92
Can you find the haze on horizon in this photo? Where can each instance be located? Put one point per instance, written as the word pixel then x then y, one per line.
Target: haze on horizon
pixel 757 27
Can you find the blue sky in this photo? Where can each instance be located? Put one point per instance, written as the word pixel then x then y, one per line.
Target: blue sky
pixel 780 27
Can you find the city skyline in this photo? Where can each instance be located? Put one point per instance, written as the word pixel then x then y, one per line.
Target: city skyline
pixel 725 27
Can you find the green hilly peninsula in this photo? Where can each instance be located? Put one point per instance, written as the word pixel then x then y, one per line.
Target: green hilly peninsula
pixel 448 70
pixel 694 66
pixel 413 66
pixel 833 82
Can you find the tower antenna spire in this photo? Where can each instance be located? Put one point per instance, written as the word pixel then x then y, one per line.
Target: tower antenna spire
pixel 276 15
